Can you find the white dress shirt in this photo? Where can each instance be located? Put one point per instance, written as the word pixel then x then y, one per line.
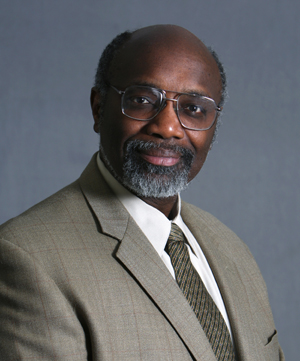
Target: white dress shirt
pixel 156 227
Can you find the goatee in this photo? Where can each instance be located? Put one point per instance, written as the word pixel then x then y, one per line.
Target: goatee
pixel 148 180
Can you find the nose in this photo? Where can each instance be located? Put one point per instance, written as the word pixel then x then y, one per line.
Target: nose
pixel 166 123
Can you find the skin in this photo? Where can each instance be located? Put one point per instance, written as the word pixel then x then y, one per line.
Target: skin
pixel 166 57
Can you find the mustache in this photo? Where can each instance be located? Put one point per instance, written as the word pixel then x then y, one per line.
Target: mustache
pixel 140 145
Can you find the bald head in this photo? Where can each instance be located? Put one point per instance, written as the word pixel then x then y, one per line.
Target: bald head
pixel 169 36
pixel 171 39
pixel 154 46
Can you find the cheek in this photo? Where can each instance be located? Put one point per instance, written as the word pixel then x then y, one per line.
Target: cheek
pixel 125 129
pixel 115 130
pixel 201 142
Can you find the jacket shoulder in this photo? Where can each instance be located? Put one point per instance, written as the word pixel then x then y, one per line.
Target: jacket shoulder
pixel 217 234
pixel 62 209
pixel 196 216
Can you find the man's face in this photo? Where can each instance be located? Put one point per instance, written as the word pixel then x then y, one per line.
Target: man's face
pixel 158 151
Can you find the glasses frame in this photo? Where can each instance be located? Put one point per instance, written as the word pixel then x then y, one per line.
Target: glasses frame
pixel 163 99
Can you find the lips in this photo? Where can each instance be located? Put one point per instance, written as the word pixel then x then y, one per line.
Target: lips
pixel 160 157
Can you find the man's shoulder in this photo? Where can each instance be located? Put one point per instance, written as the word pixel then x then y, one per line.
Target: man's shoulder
pixel 196 215
pixel 61 209
pixel 66 206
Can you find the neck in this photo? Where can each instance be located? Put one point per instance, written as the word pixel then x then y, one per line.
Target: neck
pixel 168 206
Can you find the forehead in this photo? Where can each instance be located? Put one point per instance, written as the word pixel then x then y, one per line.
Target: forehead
pixel 172 60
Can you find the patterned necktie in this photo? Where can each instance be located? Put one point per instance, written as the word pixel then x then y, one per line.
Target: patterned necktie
pixel 198 297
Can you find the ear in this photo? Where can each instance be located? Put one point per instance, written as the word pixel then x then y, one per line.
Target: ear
pixel 95 105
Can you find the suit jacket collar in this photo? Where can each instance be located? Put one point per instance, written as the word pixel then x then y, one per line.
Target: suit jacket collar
pixel 141 259
pixel 112 216
pixel 231 284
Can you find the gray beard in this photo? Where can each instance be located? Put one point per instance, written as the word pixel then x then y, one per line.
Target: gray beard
pixel 149 180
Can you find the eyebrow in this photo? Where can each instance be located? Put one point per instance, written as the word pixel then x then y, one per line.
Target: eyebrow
pixel 187 91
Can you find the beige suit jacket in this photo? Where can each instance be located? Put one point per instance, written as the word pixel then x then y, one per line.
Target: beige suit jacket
pixel 80 281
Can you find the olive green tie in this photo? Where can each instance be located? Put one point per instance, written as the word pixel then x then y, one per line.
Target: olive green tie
pixel 198 297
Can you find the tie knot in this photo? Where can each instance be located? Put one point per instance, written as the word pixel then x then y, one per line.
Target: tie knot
pixel 176 234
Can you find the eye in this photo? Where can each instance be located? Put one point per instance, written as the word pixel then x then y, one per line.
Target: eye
pixel 140 100
pixel 193 109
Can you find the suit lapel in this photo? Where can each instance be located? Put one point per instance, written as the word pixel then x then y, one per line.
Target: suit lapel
pixel 112 216
pixel 142 261
pixel 229 279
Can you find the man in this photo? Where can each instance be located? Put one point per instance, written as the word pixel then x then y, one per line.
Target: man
pixel 115 266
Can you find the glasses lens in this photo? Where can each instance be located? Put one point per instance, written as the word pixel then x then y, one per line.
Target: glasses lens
pixel 196 112
pixel 141 102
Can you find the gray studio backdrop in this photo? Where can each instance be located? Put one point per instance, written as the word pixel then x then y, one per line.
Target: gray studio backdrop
pixel 49 52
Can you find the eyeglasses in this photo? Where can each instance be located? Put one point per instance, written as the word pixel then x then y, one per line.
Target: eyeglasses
pixel 194 112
